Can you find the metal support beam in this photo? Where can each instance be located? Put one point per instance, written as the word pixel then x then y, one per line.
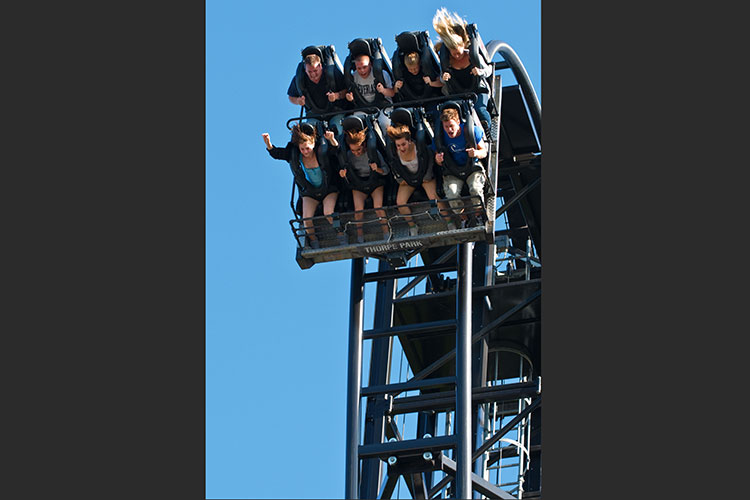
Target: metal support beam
pixel 406 386
pixel 384 450
pixel 488 444
pixel 504 430
pixel 380 362
pixel 440 401
pixel 484 331
pixel 445 326
pixel 516 197
pixel 409 272
pixel 389 486
pixel 480 484
pixel 443 258
pixel 463 372
pixel 354 378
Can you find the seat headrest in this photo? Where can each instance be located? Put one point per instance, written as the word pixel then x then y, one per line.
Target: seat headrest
pixel 402 115
pixel 353 123
pixel 358 47
pixel 306 128
pixel 312 49
pixel 451 104
pixel 408 42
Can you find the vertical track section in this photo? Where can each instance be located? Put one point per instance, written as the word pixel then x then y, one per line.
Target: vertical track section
pixel 463 373
pixel 415 458
pixel 354 377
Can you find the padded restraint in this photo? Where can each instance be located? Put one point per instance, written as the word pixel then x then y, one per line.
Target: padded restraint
pixel 321 150
pixel 412 118
pixel 380 62
pixel 333 72
pixel 358 123
pixel 465 113
pixel 419 42
pixel 478 56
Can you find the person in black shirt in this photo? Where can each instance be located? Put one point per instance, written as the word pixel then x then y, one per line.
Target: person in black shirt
pixel 316 86
pixel 314 172
pixel 419 84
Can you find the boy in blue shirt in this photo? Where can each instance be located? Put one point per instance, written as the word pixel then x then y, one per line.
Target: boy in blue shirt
pixel 461 163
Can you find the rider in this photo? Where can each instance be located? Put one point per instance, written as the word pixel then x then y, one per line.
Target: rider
pixel 368 90
pixel 366 176
pixel 464 66
pixel 461 163
pixel 313 170
pixel 412 167
pixel 318 96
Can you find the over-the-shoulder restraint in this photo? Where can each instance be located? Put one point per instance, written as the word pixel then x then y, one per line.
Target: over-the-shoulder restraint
pixel 412 118
pixel 333 73
pixel 380 62
pixel 322 151
pixel 478 57
pixel 464 108
pixel 419 42
pixel 356 181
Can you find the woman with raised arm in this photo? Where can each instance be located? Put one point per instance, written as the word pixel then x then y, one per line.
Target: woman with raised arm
pixel 314 173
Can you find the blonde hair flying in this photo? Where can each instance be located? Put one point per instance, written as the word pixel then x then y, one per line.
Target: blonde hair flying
pixel 451 28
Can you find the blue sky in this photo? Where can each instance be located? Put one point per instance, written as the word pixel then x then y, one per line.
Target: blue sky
pixel 276 336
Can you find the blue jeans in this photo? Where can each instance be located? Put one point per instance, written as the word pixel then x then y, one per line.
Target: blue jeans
pixel 480 105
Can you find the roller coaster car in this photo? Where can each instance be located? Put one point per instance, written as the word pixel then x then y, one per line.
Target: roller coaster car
pixel 437 223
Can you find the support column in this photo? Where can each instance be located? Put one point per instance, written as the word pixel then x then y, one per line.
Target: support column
pixel 380 363
pixel 354 377
pixel 463 372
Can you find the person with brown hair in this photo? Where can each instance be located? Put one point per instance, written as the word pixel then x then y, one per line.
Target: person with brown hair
pixel 314 172
pixel 315 94
pixel 411 169
pixel 458 154
pixel 365 177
